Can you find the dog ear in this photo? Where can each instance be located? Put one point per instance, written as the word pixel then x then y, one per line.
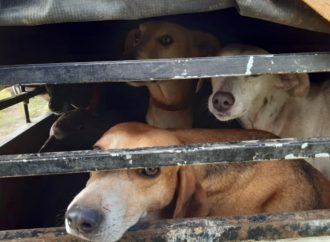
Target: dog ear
pixel 295 84
pixel 204 44
pixel 192 199
pixel 130 39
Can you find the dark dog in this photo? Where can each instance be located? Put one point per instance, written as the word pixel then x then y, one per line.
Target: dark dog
pixel 78 130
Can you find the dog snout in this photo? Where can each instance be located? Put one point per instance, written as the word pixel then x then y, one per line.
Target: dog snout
pixel 223 101
pixel 83 220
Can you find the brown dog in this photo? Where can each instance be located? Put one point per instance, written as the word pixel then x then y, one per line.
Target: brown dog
pixel 170 100
pixel 113 201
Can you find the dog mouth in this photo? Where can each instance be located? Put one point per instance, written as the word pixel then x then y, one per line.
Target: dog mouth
pixel 222 116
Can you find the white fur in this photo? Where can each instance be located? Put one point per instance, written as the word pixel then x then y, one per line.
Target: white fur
pixel 270 103
pixel 114 201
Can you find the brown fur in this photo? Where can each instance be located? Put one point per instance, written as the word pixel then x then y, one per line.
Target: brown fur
pixel 202 190
pixel 170 101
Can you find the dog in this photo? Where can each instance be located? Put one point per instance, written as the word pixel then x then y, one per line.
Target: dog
pixel 113 201
pixel 170 100
pixel 287 105
pixel 66 97
pixel 78 129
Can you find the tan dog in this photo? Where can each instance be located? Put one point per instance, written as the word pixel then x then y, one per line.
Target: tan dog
pixel 113 201
pixel 170 100
pixel 286 105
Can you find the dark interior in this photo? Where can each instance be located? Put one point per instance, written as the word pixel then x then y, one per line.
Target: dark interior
pixel 41 201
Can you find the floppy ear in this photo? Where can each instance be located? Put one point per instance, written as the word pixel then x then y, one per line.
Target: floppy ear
pixel 295 84
pixel 192 199
pixel 204 44
pixel 129 42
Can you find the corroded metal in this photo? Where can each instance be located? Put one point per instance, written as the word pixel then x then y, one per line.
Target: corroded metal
pixel 84 161
pixel 255 227
pixel 165 69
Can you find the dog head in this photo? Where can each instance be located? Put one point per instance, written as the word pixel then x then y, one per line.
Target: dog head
pixel 161 40
pixel 233 97
pixel 113 201
pixel 78 129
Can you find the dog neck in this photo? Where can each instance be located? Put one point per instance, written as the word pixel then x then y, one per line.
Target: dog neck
pixel 169 116
pixel 169 107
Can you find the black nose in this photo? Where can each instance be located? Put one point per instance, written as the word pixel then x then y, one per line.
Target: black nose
pixel 82 219
pixel 223 101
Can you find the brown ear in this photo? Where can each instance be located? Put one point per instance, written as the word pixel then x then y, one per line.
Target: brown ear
pixel 192 199
pixel 295 84
pixel 204 44
pixel 129 42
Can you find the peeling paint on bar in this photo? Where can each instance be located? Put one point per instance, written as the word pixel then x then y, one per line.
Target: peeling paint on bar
pixel 264 227
pixel 304 145
pixel 164 69
pixel 214 153
pixel 322 155
pixel 293 156
pixel 249 66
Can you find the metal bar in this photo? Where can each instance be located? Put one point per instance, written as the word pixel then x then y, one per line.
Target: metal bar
pixel 5 103
pixel 91 160
pixel 255 227
pixel 165 69
pixel 26 107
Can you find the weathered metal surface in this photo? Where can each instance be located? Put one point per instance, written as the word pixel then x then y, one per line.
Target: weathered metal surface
pixel 5 103
pixel 165 69
pixel 254 227
pixel 84 161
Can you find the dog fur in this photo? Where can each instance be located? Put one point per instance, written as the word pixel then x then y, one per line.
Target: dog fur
pixel 287 105
pixel 170 100
pixel 123 197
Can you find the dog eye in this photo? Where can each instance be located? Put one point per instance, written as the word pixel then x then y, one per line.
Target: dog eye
pixel 150 172
pixel 166 40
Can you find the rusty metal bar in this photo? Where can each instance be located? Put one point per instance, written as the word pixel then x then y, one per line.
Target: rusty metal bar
pixel 85 161
pixel 165 69
pixel 253 227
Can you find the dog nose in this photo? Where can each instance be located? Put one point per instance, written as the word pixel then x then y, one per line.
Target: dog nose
pixel 82 219
pixel 223 101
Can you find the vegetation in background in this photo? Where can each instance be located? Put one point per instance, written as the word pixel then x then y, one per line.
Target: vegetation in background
pixel 13 118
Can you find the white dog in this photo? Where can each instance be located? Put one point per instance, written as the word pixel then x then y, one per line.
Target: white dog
pixel 286 105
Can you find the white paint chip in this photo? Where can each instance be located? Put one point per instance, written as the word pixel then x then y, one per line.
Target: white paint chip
pixel 322 155
pixel 249 65
pixel 304 145
pixel 290 156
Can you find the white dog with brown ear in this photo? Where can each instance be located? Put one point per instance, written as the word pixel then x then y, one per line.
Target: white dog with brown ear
pixel 170 100
pixel 286 105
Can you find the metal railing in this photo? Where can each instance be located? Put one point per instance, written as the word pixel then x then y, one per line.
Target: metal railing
pixel 300 224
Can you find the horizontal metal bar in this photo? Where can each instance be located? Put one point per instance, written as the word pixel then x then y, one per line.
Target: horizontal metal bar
pixel 165 69
pixel 255 227
pixel 5 103
pixel 84 161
